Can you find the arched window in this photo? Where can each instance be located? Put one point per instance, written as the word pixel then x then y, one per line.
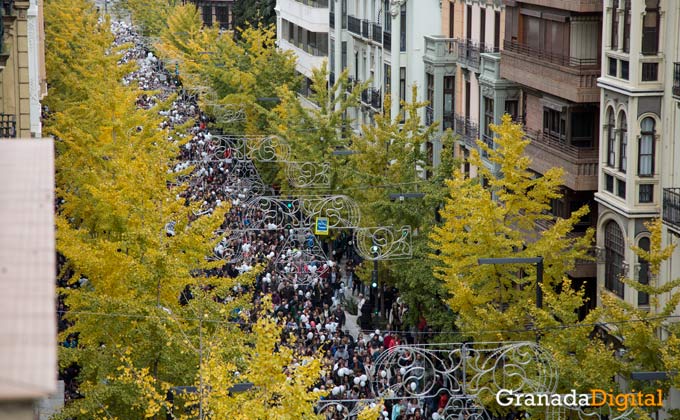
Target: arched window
pixel 614 250
pixel 623 141
pixel 646 147
pixel 643 276
pixel 611 139
pixel 650 27
pixel 614 42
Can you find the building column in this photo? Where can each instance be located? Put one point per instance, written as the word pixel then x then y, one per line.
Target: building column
pixel 33 70
pixel 395 54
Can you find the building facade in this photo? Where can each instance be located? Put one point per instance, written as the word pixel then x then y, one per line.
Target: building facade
pixel 22 68
pixel 302 27
pixel 216 12
pixel 381 41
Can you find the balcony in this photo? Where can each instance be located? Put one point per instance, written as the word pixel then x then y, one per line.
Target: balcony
pixel 8 126
pixel 371 97
pixel 564 76
pixel 354 25
pixel 387 41
pixel 580 6
pixel 439 50
pixel 467 129
pixel 671 208
pixel 365 29
pixel 331 19
pixel 469 53
pixel 676 81
pixel 376 33
pixel 580 164
pixel 309 14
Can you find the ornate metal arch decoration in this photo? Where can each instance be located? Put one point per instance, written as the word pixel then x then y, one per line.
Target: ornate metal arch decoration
pixel 383 242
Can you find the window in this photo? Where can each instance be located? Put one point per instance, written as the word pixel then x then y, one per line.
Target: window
pixel 207 15
pixel 343 55
pixel 626 27
pixel 430 89
pixel 222 15
pixel 388 78
pixel 612 67
pixel 646 194
pixel 582 128
pixel 402 29
pixel 650 28
pixel 614 40
pixel 488 114
pixel 646 147
pixel 554 125
pixel 449 91
pixel 343 14
pixel 482 27
pixel 467 98
pixel 452 9
pixel 497 31
pixel 644 273
pixel 623 142
pixel 650 72
pixel 614 249
pixel 402 87
pixel 511 108
pixel 611 140
pixel 621 188
pixel 609 183
pixel 624 69
pixel 387 18
pixel 468 30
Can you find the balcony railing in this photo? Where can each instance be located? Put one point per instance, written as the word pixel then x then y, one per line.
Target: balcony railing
pixel 354 25
pixel 309 49
pixel 387 41
pixel 429 115
pixel 546 56
pixel 365 28
pixel 376 99
pixel 376 33
pixel 676 80
pixel 469 52
pixel 331 19
pixel 671 207
pixel 555 143
pixel 314 3
pixel 8 126
pixel 467 129
pixel 441 49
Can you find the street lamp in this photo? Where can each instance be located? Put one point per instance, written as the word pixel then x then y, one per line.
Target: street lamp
pixel 539 271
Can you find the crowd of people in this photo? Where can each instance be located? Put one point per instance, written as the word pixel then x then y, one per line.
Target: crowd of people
pixel 310 282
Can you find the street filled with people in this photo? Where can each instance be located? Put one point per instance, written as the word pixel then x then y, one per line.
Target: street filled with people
pixel 310 282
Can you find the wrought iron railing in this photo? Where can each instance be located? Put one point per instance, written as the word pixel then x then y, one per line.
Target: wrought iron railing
pixel 365 28
pixel 376 98
pixel 376 32
pixel 354 25
pixel 469 52
pixel 676 80
pixel 671 207
pixel 8 126
pixel 467 129
pixel 547 56
pixel 387 41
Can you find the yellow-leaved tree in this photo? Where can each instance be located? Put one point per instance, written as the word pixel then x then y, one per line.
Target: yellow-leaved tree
pixel 497 302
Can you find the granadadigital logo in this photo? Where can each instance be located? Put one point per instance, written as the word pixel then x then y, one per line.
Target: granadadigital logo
pixel 595 398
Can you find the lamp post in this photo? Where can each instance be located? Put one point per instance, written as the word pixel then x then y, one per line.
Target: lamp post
pixel 539 271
